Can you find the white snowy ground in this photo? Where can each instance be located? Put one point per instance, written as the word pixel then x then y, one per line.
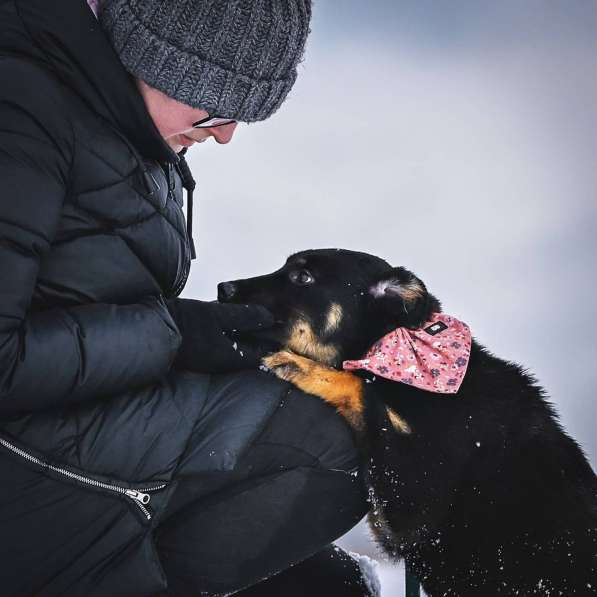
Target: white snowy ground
pixel 391 575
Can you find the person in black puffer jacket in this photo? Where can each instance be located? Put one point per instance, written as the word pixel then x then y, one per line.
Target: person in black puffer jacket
pixel 142 452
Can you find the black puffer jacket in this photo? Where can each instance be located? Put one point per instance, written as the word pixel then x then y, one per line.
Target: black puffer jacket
pixel 92 237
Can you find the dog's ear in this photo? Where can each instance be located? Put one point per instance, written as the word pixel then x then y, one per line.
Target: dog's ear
pixel 400 299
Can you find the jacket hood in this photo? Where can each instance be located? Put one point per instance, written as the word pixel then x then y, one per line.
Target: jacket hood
pixel 67 38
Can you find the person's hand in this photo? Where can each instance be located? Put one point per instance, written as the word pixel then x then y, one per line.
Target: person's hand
pixel 220 337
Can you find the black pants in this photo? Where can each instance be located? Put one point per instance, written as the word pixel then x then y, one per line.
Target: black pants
pixel 294 491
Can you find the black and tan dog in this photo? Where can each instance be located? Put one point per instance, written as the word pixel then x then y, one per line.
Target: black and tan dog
pixel 481 492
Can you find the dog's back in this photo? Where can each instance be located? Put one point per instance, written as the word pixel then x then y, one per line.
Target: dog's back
pixel 485 495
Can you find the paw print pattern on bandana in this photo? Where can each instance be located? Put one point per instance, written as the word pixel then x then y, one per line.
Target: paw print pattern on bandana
pixel 435 361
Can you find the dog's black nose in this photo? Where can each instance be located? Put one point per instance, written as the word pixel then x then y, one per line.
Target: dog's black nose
pixel 226 290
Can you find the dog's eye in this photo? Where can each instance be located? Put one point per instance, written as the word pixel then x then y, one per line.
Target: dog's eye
pixel 301 277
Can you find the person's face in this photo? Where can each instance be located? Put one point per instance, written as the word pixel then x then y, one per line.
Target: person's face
pixel 174 120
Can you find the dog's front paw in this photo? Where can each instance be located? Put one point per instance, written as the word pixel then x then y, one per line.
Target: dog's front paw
pixel 284 364
pixel 339 388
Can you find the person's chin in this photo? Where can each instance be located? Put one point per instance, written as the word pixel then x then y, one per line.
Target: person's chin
pixel 179 142
pixel 175 146
pixel 186 141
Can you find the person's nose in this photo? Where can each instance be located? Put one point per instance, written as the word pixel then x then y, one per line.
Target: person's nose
pixel 223 134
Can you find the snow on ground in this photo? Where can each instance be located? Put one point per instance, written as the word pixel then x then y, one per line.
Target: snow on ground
pixel 391 575
pixel 370 571
pixel 392 580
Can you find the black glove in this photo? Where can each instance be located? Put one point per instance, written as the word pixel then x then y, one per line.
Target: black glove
pixel 220 337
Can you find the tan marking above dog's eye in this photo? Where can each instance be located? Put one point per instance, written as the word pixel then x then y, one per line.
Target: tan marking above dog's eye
pixel 333 318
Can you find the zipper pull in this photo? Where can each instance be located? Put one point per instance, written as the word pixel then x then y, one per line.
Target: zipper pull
pixel 138 496
pixel 151 184
pixel 171 179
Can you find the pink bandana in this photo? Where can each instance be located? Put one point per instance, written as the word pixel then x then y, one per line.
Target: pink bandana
pixel 433 357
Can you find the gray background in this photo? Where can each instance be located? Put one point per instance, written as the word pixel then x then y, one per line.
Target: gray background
pixel 456 138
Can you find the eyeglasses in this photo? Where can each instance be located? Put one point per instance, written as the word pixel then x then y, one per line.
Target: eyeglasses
pixel 212 121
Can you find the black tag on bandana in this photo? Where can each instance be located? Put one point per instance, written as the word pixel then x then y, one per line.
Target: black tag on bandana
pixel 436 328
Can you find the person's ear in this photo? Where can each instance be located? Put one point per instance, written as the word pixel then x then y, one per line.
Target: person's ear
pixel 400 299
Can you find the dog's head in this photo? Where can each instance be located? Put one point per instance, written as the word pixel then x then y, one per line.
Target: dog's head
pixel 332 304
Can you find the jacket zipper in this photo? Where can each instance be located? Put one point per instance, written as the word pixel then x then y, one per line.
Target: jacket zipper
pixel 187 262
pixel 140 497
pixel 183 280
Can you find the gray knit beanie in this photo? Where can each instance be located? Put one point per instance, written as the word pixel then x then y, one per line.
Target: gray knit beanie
pixel 234 58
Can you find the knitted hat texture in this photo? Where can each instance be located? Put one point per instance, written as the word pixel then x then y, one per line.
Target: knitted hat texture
pixel 233 58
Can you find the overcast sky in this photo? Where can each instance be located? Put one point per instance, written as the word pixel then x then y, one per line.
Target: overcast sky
pixel 456 138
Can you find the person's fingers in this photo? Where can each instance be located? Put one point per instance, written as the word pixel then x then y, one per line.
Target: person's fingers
pixel 243 318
